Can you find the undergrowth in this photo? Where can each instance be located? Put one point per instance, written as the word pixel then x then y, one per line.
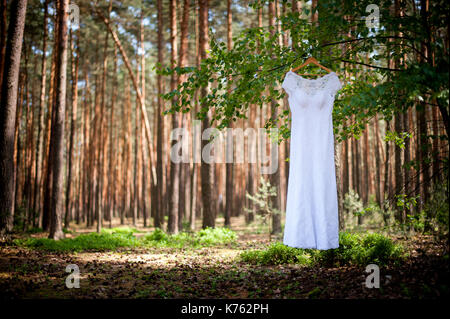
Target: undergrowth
pixel 202 238
pixel 359 249
pixel 92 241
pixel 111 239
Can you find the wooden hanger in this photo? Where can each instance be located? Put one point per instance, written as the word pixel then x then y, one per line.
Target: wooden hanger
pixel 311 60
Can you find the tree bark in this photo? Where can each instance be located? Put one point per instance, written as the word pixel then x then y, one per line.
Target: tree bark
pixel 158 219
pixel 194 172
pixel 47 185
pixel 75 63
pixel 8 112
pixel 39 146
pixel 378 168
pixel 58 127
pixel 398 124
pixel 185 180
pixel 274 178
pixel 136 186
pixel 207 170
pixel 387 189
pixel 127 63
pixel 172 226
pixel 366 158
pixel 142 137
pixel 112 159
pixel 3 32
pixel 229 166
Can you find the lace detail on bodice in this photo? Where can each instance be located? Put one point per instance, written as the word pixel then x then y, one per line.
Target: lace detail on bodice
pixel 329 82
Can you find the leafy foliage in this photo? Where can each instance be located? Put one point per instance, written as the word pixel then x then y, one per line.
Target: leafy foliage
pixel 255 66
pixel 433 218
pixel 203 238
pixel 261 200
pixel 211 236
pixel 353 249
pixel 362 250
pixel 120 230
pixel 111 239
pixel 353 204
pixel 91 241
pixel 276 254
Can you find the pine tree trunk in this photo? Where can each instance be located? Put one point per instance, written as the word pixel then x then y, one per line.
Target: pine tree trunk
pixel 47 187
pixel 75 63
pixel 407 171
pixel 174 192
pixel 144 159
pixel 398 123
pixel 207 170
pixel 112 159
pixel 58 126
pixel 158 214
pixel 194 172
pixel 39 147
pixel 229 166
pixel 3 33
pixel 345 167
pixel 274 178
pixel 136 184
pixel 387 178
pixel 86 125
pixel 18 144
pixel 31 149
pixel 185 180
pixel 366 166
pixel 378 146
pixel 8 112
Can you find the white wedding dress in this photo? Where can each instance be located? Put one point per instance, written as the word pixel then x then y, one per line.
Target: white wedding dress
pixel 312 207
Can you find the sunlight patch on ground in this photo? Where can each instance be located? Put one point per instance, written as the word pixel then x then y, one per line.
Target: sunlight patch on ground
pixel 162 259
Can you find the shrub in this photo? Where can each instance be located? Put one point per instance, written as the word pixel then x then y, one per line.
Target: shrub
pixel 436 210
pixel 353 204
pixel 276 254
pixel 204 237
pixel 261 200
pixel 362 250
pixel 211 236
pixel 91 241
pixel 120 230
pixel 158 235
pixel 380 250
pixel 353 249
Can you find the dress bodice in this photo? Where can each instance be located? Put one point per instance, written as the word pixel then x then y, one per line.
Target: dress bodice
pixel 304 92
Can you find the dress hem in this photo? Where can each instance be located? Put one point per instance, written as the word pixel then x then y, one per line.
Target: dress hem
pixel 311 247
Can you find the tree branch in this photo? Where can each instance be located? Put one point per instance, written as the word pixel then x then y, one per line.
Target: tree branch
pixel 136 87
pixel 370 66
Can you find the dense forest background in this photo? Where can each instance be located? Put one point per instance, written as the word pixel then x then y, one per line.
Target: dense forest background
pixel 91 92
pixel 137 69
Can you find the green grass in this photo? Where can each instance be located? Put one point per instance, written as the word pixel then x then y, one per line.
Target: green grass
pixel 276 254
pixel 120 230
pixel 203 238
pixel 91 241
pixel 358 249
pixel 111 239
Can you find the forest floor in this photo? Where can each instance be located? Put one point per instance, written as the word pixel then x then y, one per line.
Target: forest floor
pixel 215 272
